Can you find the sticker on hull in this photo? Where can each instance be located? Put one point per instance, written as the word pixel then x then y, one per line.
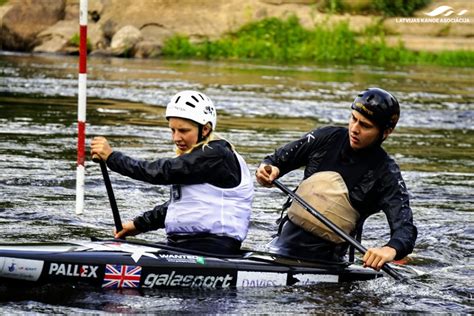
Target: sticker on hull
pixel 260 279
pixel 122 276
pixel 21 269
pixel 73 270
pixel 308 279
pixel 186 279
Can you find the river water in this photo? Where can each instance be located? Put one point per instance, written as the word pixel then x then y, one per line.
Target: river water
pixel 260 107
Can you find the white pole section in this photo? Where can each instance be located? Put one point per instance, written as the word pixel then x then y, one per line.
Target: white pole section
pixel 81 108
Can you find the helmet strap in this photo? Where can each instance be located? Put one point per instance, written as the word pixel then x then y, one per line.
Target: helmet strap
pixel 380 140
pixel 200 138
pixel 384 134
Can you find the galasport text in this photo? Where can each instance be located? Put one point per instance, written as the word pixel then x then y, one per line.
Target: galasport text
pixel 187 280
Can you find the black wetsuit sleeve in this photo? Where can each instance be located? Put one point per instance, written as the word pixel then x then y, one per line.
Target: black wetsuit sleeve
pixel 296 154
pixel 214 163
pixel 396 206
pixel 152 220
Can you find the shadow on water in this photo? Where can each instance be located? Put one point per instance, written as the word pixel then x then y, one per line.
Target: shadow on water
pixel 260 108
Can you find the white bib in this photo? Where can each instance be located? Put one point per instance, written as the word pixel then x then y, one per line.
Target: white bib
pixel 205 208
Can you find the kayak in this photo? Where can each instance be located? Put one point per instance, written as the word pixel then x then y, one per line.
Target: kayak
pixel 131 264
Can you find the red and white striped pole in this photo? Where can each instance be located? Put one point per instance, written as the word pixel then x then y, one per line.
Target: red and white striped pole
pixel 81 108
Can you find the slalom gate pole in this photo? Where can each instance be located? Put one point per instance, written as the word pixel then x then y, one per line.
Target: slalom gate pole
pixel 81 108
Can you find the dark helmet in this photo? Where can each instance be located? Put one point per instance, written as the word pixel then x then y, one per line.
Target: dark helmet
pixel 379 106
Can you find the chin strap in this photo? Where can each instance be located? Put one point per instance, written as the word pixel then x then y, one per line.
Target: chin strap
pixel 200 138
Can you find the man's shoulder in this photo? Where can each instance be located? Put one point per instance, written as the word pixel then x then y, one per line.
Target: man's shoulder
pixel 331 129
pixel 389 168
pixel 391 164
pixel 329 132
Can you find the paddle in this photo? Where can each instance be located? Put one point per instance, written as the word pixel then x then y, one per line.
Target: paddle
pixel 386 268
pixel 110 192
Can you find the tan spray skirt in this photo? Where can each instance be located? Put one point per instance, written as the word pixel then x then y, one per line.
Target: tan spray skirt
pixel 327 192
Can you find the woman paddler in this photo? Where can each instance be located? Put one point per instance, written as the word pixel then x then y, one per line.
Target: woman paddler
pixel 211 187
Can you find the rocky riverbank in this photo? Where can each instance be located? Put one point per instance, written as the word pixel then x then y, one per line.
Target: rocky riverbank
pixel 138 28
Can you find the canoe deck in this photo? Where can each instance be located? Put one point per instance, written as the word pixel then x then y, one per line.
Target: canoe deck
pixel 123 264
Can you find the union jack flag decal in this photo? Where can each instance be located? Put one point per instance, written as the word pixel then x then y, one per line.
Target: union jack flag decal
pixel 121 276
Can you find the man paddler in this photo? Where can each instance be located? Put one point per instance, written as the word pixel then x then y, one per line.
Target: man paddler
pixel 348 176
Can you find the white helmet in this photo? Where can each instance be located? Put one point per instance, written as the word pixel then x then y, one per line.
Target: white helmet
pixel 194 106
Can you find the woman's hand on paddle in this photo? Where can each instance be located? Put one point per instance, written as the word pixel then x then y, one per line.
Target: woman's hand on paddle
pixel 129 229
pixel 265 174
pixel 100 146
pixel 375 258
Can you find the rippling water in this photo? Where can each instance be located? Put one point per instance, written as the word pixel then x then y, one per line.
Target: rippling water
pixel 260 107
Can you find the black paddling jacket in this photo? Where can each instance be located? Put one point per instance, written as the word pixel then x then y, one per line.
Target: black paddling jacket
pixel 372 177
pixel 191 168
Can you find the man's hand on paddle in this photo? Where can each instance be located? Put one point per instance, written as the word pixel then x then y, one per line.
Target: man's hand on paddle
pixel 100 146
pixel 129 229
pixel 375 258
pixel 264 176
